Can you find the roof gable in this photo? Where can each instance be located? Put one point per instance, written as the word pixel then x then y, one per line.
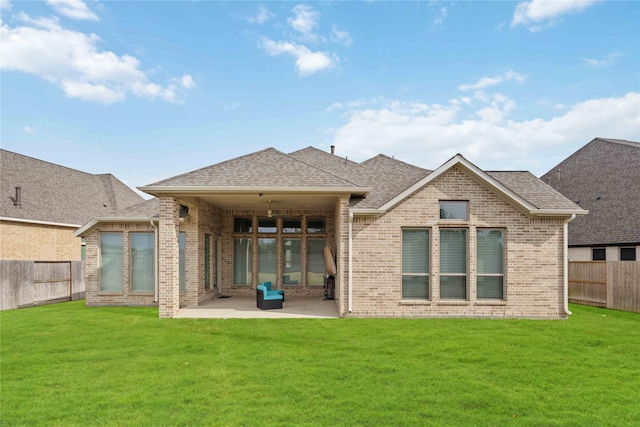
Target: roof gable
pixel 550 202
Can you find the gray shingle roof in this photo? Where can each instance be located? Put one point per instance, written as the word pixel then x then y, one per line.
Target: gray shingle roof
pixel 310 167
pixel 57 194
pixel 603 177
pixel 263 169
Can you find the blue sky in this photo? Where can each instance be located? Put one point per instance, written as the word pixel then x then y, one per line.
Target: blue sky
pixel 147 90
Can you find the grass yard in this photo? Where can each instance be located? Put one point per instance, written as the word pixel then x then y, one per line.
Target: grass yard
pixel 66 365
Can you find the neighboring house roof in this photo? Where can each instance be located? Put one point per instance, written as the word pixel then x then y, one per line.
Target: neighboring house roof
pixel 603 177
pixel 376 185
pixel 56 194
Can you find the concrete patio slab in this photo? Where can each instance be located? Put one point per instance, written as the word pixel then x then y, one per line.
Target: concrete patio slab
pixel 237 307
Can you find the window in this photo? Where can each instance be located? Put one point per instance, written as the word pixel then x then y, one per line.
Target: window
pixel 267 255
pixel 315 262
pixel 181 265
pixel 415 264
pixel 207 261
pixel 627 254
pixel 291 225
pixel 291 261
pixel 242 264
pixel 111 266
pixel 453 263
pixel 242 225
pixel 490 247
pixel 267 225
pixel 599 254
pixel 316 225
pixel 454 210
pixel 142 261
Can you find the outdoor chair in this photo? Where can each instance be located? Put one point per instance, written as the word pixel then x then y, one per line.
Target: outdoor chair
pixel 273 292
pixel 265 301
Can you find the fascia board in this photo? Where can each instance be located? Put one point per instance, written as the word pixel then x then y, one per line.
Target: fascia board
pixel 34 221
pixel 367 212
pixel 235 190
pixel 558 212
pixel 94 222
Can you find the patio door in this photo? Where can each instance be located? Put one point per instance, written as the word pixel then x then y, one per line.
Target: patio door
pixel 267 257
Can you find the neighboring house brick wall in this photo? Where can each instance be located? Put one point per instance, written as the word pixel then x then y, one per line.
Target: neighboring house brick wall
pixel 533 256
pixel 38 242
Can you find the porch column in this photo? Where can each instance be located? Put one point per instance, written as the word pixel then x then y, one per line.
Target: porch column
pixel 168 259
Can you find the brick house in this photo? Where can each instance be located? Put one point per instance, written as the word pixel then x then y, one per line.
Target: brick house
pixel 42 204
pixel 408 242
pixel 604 178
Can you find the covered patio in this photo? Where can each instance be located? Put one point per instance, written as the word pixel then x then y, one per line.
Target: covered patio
pixel 244 307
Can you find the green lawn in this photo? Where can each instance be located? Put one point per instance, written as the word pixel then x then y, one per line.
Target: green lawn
pixel 67 365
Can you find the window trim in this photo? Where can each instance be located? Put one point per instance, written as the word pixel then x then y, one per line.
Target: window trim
pixel 501 275
pixel 441 210
pixel 593 256
pixel 427 274
pixel 121 284
pixel 630 248
pixel 465 275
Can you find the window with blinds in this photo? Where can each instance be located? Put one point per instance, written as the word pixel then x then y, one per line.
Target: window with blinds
pixel 453 264
pixel 415 263
pixel 490 255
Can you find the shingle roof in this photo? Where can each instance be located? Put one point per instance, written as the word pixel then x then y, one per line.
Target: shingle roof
pixel 386 177
pixel 603 177
pixel 266 168
pixel 57 194
pixel 532 189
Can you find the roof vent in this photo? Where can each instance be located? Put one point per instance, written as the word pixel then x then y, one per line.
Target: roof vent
pixel 17 201
pixel 333 149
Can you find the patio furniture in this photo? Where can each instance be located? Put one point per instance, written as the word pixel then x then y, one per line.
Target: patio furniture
pixel 273 292
pixel 264 301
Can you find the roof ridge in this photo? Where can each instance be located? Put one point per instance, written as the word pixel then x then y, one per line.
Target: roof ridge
pixel 324 170
pixel 626 142
pixel 395 160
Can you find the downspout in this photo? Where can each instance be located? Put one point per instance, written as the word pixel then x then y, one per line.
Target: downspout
pixel 565 262
pixel 350 261
pixel 155 260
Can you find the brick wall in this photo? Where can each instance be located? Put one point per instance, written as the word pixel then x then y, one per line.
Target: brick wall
pixel 39 242
pixel 533 256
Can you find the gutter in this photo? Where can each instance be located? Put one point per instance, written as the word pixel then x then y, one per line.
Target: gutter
pixel 155 260
pixel 34 221
pixel 565 263
pixel 350 262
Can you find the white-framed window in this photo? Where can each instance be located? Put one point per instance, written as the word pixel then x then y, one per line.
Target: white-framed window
pixel 242 261
pixel 142 261
pixel 453 263
pixel 415 263
pixel 490 258
pixel 454 209
pixel 111 262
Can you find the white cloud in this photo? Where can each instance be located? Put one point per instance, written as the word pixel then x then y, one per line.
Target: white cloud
pixel 605 62
pixel 263 16
pixel 440 17
pixel 73 61
pixel 339 36
pixel 304 21
pixel 486 82
pixel 28 129
pixel 537 15
pixel 5 5
pixel 429 134
pixel 230 107
pixel 307 61
pixel 74 9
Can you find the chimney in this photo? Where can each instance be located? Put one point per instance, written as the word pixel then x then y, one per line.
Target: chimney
pixel 18 199
pixel 333 149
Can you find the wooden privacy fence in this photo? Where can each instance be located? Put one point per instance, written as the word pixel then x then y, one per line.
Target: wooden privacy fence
pixel 610 284
pixel 29 283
